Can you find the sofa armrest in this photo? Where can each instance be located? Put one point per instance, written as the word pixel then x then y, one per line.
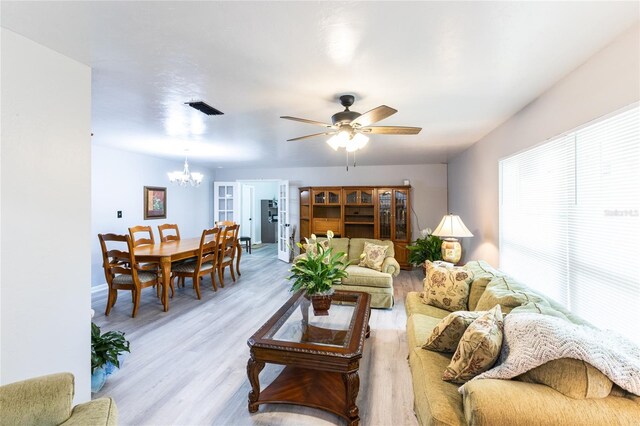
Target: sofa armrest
pixel 42 400
pixel 391 266
pixel 101 411
pixel 493 402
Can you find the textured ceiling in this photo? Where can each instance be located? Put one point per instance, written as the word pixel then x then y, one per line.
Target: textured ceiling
pixel 456 69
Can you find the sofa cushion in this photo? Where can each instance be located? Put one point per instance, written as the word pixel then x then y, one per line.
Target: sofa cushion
pixel 571 377
pixel 414 304
pixel 483 273
pixel 507 293
pixel 478 349
pixel 538 308
pixel 436 402
pixel 362 276
pixel 447 333
pixel 356 247
pixel 373 255
pixel 419 328
pixel 340 245
pixel 447 288
pixel 101 411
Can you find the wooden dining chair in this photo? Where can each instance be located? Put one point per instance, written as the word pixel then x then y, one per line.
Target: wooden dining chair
pixel 224 224
pixel 205 263
pixel 122 271
pixel 145 235
pixel 166 234
pixel 228 249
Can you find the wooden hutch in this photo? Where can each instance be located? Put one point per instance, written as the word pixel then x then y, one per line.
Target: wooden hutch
pixel 381 212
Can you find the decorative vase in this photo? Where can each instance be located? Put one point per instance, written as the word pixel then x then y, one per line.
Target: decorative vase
pixel 98 378
pixel 321 303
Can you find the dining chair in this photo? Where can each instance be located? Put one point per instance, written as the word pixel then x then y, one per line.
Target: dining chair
pixel 141 235
pixel 228 249
pixel 122 271
pixel 166 235
pixel 226 223
pixel 205 263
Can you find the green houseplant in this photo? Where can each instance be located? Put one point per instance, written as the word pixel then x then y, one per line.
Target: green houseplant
pixel 428 247
pixel 316 271
pixel 106 350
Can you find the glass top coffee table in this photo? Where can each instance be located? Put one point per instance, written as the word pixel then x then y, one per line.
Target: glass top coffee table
pixel 321 354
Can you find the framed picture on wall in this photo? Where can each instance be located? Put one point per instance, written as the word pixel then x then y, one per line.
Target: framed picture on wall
pixel 155 202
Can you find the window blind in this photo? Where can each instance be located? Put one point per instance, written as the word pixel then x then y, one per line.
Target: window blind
pixel 570 220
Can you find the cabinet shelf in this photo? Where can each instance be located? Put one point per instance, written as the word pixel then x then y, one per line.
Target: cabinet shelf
pixel 358 223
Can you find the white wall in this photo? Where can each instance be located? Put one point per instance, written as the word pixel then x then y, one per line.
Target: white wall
pixel 606 82
pixel 117 181
pixel 429 182
pixel 46 200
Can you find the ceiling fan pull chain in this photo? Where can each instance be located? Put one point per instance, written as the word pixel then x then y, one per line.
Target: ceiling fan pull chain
pixel 354 159
pixel 347 159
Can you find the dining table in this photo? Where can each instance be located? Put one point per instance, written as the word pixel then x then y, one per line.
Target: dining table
pixel 172 251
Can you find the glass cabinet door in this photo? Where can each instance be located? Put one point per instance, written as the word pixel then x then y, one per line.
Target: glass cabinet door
pixel 401 214
pixel 366 196
pixel 384 211
pixel 319 197
pixel 351 196
pixel 333 197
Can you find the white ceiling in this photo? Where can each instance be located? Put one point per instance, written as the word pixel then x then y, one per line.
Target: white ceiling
pixel 456 69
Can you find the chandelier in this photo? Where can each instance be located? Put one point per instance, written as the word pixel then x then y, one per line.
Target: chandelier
pixel 185 176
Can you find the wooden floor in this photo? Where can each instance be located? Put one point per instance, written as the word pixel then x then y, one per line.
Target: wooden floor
pixel 188 366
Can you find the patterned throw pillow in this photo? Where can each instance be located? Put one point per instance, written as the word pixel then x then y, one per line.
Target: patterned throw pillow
pixel 447 288
pixel 447 334
pixel 312 247
pixel 373 256
pixel 478 349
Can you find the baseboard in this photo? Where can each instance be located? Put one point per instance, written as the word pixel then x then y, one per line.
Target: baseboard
pixel 99 287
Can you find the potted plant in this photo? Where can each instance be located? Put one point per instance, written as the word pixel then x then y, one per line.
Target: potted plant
pixel 106 352
pixel 316 271
pixel 428 247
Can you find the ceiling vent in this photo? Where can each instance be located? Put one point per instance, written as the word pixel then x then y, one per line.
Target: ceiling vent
pixel 204 108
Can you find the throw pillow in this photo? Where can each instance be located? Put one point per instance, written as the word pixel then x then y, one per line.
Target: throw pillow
pixel 507 293
pixel 312 247
pixel 446 288
pixel 571 377
pixel 478 349
pixel 447 333
pixel 373 256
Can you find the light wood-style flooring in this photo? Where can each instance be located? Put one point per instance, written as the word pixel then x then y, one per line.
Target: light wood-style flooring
pixel 188 366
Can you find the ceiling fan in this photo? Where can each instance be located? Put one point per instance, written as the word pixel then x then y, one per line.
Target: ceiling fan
pixel 349 128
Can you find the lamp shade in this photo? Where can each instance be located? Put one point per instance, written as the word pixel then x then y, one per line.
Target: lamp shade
pixel 451 226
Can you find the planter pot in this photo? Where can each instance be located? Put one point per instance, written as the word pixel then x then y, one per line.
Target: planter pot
pixel 98 378
pixel 321 303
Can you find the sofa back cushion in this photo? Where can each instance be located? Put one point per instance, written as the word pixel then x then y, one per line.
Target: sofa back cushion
pixel 571 377
pixel 506 292
pixel 483 273
pixel 339 245
pixel 356 247
pixel 538 308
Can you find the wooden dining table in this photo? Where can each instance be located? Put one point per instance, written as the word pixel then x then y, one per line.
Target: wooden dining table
pixel 172 251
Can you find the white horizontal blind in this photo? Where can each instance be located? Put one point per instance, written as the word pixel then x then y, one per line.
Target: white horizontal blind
pixel 570 220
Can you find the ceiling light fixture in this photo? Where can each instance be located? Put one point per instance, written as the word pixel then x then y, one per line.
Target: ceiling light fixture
pixel 185 176
pixel 349 140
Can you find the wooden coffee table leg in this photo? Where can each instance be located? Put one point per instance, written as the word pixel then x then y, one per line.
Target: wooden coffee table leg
pixel 352 386
pixel 253 371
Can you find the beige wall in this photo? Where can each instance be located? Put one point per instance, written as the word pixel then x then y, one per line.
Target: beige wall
pixel 606 82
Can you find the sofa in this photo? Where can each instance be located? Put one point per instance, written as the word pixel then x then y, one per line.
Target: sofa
pixel 47 400
pixel 379 284
pixel 504 402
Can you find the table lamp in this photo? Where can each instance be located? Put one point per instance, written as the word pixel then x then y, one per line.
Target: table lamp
pixel 449 229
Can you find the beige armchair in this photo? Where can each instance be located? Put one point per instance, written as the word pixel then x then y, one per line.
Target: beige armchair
pixel 47 401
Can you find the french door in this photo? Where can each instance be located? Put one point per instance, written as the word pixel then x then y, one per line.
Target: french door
pixel 283 221
pixel 226 204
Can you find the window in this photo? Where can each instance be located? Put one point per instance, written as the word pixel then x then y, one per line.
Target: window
pixel 570 220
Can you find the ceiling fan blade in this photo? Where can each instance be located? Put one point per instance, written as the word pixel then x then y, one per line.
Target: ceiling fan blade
pixel 304 120
pixel 374 116
pixel 311 136
pixel 391 130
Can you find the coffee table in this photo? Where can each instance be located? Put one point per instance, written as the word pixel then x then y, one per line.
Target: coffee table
pixel 321 354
